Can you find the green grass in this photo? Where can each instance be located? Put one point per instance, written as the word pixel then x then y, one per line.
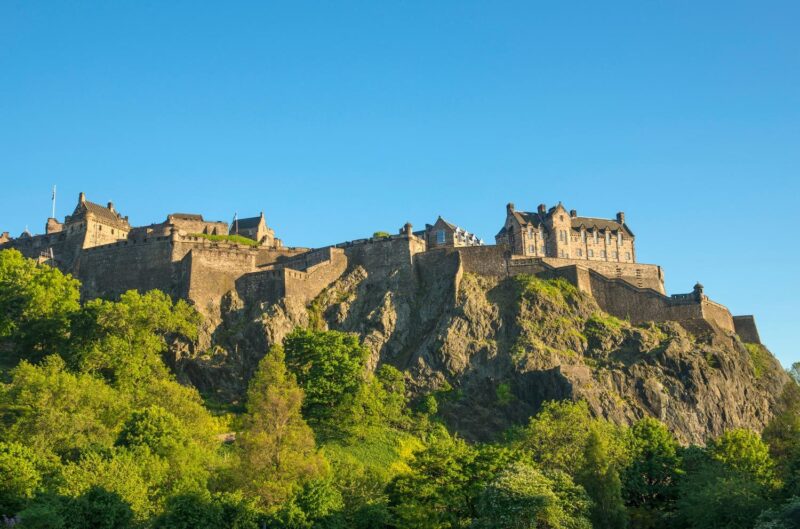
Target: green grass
pixel 237 239
pixel 759 358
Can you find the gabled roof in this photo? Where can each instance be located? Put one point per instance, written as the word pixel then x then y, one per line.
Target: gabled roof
pixel 100 211
pixel 248 223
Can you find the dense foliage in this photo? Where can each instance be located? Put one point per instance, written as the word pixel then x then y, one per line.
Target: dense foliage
pixel 95 431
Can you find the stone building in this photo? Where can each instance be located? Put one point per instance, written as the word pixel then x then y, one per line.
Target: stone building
pixel 255 228
pixel 558 233
pixel 443 234
pixel 99 225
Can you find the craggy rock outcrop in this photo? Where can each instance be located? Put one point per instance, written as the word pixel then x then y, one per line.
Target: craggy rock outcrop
pixel 493 349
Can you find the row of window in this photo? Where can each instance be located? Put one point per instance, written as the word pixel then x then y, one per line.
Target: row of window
pixel 579 253
pixel 562 236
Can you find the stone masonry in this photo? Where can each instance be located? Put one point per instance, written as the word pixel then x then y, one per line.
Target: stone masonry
pixel 204 261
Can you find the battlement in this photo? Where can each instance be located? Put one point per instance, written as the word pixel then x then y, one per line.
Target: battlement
pixel 190 257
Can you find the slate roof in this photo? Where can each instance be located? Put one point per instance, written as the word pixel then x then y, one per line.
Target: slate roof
pixel 600 224
pixel 101 211
pixel 248 223
pixel 535 219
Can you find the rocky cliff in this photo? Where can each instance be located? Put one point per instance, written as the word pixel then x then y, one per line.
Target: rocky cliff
pixel 492 349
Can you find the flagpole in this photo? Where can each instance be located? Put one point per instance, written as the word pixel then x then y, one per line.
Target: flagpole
pixel 54 201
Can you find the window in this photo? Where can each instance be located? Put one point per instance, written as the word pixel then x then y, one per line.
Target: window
pixel 615 255
pixel 583 235
pixel 628 256
pixel 595 236
pixel 530 233
pixel 543 250
pixel 580 252
pixel 603 254
pixel 562 235
pixel 608 237
pixel 440 237
pixel 531 249
pixel 619 237
pixel 591 253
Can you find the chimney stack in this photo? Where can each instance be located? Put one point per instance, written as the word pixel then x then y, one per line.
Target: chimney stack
pixel 510 208
pixel 621 217
pixel 81 197
pixel 111 207
pixel 573 213
pixel 542 209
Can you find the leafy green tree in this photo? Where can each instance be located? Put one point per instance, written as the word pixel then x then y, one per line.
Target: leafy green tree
pixel 784 516
pixel 48 408
pixel 745 452
pixel 444 482
pixel 136 476
pixel 124 340
pixel 601 480
pixel 782 434
pixel 189 511
pixel 649 481
pixel 20 477
pixel 523 497
pixel 713 495
pixel 36 306
pixel 161 433
pixel 329 366
pixel 98 508
pixel 557 436
pixel 276 446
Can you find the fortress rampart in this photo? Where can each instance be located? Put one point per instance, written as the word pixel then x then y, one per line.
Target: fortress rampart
pixel 99 247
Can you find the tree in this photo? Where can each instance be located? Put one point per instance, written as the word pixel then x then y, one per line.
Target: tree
pixel 523 497
pixel 782 434
pixel 50 409
pixel 36 306
pixel 745 452
pixel 124 340
pixel 558 434
pixel 20 477
pixel 98 508
pixel 649 479
pixel 601 480
pixel 276 446
pixel 329 366
pixel 444 481
pixel 784 516
pixel 713 495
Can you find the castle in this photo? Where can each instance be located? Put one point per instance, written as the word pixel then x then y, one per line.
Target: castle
pixel 189 257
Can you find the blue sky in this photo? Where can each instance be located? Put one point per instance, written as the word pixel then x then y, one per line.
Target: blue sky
pixel 342 118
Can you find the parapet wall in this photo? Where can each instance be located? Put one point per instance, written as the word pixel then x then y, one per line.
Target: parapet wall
pixel 110 270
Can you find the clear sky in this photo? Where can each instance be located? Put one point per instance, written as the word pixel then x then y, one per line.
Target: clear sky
pixel 338 119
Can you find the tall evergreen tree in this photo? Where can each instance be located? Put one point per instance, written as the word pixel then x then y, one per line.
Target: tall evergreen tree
pixel 277 448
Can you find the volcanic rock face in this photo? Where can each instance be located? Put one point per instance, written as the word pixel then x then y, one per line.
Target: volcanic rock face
pixel 493 349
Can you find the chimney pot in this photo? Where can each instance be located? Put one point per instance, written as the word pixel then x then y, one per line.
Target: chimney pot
pixel 111 206
pixel 542 209
pixel 573 213
pixel 510 208
pixel 81 197
pixel 621 217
